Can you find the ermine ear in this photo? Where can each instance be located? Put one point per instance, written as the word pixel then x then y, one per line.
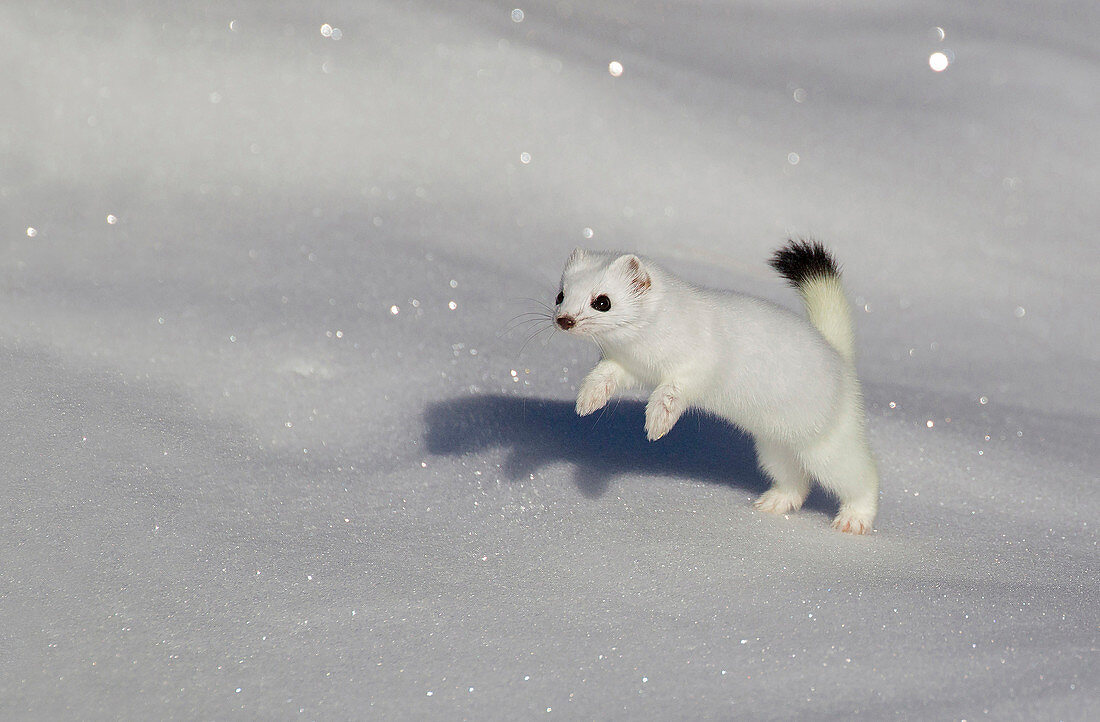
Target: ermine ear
pixel 634 269
pixel 576 255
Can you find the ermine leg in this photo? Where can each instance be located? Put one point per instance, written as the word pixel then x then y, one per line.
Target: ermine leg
pixel 598 386
pixel 665 406
pixel 790 482
pixel 843 464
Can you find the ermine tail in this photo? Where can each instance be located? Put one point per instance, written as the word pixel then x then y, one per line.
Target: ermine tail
pixel 812 270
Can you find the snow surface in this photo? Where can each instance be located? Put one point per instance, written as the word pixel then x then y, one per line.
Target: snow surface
pixel 266 455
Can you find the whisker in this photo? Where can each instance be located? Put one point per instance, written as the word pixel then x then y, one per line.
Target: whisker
pixel 532 337
pixel 599 417
pixel 532 315
pixel 544 304
pixel 541 314
pixel 536 319
pixel 530 319
pixel 540 302
pixel 553 331
pixel 520 324
pixel 550 309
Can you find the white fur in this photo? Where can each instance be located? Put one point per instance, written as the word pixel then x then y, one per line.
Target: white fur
pixel 789 383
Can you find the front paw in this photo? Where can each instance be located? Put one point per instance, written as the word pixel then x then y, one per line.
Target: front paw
pixel 593 396
pixel 661 413
pixel 852 521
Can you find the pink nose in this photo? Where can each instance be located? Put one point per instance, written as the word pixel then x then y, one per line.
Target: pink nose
pixel 566 322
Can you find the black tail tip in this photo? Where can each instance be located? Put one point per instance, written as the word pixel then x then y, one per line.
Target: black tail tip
pixel 800 261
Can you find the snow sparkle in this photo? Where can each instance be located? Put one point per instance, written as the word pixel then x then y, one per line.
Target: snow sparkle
pixel 289 366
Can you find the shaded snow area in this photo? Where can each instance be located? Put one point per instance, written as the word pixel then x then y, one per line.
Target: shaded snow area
pixel 280 444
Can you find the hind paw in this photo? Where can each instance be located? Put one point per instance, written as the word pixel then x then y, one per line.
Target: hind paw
pixel 776 501
pixel 851 522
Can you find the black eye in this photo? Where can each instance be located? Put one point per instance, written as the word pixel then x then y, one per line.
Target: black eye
pixel 560 298
pixel 601 303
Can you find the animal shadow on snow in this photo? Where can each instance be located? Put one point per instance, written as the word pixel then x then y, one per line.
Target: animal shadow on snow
pixel 610 443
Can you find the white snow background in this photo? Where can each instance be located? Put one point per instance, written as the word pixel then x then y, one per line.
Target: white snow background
pixel 271 451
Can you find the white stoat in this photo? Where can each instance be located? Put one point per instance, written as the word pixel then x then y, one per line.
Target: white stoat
pixel 790 384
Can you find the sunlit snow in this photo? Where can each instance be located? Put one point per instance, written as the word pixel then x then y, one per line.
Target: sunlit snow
pixel 292 435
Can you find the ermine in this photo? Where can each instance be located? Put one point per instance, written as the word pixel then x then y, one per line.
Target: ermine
pixel 788 382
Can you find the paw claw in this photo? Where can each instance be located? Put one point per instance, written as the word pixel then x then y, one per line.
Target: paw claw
pixel 658 423
pixel 852 523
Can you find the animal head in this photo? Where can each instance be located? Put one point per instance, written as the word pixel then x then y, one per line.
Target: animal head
pixel 603 294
